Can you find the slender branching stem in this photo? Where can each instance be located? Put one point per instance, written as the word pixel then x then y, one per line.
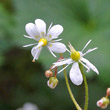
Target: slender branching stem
pixel 86 87
pixel 69 90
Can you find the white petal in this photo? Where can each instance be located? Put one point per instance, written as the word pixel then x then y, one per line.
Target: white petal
pixel 57 47
pixel 54 32
pixel 63 69
pixel 68 51
pixel 75 74
pixel 57 40
pixel 28 37
pixel 39 45
pixel 30 106
pixel 90 50
pixel 51 52
pixel 41 26
pixel 29 45
pixel 36 52
pixel 51 85
pixel 99 103
pixel 63 62
pixel 88 69
pixel 49 27
pixel 90 65
pixel 86 45
pixel 32 31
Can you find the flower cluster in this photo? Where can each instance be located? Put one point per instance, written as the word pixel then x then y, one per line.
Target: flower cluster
pixel 49 39
pixel 37 32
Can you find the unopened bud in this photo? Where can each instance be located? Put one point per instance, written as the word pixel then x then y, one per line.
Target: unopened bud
pixel 108 91
pixel 33 60
pixel 48 73
pixel 52 82
pixel 103 103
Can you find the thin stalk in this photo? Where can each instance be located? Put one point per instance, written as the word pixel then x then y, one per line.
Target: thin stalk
pixel 69 89
pixel 70 92
pixel 86 87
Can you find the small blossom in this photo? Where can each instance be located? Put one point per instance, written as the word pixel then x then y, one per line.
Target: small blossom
pixel 37 32
pixel 108 91
pixel 75 58
pixel 103 103
pixel 48 73
pixel 28 106
pixel 52 82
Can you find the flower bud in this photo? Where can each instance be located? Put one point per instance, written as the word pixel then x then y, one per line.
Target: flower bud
pixel 52 82
pixel 108 91
pixel 103 102
pixel 48 73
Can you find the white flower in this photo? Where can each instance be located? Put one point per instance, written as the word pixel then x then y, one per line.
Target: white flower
pixel 28 106
pixel 75 58
pixel 37 32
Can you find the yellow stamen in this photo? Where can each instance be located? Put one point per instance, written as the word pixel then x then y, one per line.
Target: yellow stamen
pixel 44 41
pixel 75 55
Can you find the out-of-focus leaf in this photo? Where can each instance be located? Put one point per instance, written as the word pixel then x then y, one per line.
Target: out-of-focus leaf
pixel 81 21
pixel 1 59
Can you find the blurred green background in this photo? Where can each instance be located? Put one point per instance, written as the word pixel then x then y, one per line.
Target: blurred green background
pixel 23 81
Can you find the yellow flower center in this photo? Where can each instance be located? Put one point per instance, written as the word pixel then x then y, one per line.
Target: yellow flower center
pixel 44 41
pixel 75 55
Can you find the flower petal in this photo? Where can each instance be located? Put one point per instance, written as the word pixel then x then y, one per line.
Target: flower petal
pixel 90 50
pixel 62 62
pixel 49 27
pixel 32 31
pixel 99 103
pixel 54 32
pixel 36 52
pixel 30 106
pixel 57 47
pixel 88 69
pixel 56 40
pixel 63 69
pixel 51 52
pixel 29 45
pixel 75 74
pixel 41 26
pixel 28 37
pixel 52 86
pixel 90 65
pixel 86 45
